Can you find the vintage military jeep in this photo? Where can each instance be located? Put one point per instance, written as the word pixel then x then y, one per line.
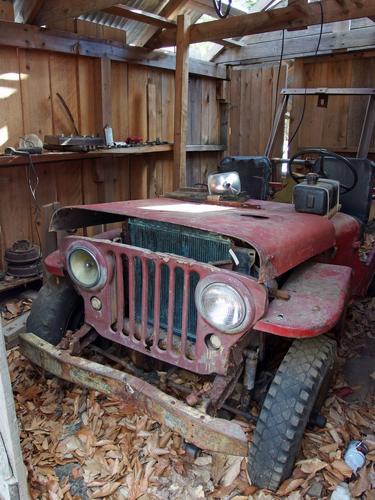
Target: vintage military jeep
pixel 246 293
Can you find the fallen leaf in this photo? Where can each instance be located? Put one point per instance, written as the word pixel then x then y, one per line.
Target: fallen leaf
pixel 312 466
pixel 289 485
pixel 232 470
pixel 361 484
pixel 105 491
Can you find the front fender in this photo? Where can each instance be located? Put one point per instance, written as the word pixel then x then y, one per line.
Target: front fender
pixel 318 294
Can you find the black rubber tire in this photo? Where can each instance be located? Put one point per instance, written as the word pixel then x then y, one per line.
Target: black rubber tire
pixel 287 408
pixel 54 309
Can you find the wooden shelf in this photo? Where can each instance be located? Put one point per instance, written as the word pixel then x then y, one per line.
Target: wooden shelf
pixel 196 148
pixel 8 161
pixel 16 282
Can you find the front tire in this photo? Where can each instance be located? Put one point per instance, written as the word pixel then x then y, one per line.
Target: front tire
pixel 56 309
pixel 294 392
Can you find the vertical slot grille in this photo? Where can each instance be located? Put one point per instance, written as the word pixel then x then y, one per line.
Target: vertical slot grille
pixel 179 240
pixel 157 303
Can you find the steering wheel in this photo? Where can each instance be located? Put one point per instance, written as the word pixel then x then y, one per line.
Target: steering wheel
pixel 323 153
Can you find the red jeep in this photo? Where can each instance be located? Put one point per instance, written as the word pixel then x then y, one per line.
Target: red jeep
pixel 243 292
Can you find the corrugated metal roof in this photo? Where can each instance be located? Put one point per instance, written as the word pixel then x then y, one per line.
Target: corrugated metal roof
pixel 132 28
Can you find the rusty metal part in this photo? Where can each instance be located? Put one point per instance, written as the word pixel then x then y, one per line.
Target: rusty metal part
pixel 318 296
pixel 279 294
pixel 240 413
pixel 249 373
pixel 81 339
pixel 22 251
pixel 212 434
pixel 272 230
pixel 23 259
pixel 223 387
pixel 119 321
pixel 235 411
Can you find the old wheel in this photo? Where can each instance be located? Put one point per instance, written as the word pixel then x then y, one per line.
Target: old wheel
pixel 295 391
pixel 56 309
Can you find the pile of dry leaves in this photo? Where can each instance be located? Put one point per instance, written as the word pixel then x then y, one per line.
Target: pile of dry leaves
pixel 13 308
pixel 78 444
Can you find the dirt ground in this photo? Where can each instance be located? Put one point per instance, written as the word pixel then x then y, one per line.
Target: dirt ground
pixel 79 444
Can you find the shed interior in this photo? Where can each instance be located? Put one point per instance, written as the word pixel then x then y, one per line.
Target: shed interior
pixel 184 89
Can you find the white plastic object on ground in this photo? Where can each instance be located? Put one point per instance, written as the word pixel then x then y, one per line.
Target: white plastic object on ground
pixel 341 492
pixel 355 455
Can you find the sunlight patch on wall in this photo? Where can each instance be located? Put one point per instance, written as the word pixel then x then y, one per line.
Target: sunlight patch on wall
pixel 4 135
pixel 6 92
pixel 14 77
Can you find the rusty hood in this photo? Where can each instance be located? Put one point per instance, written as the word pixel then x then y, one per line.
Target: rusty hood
pixel 282 237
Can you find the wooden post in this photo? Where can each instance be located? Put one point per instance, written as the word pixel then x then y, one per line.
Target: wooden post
pixel 181 102
pixel 13 483
pixel 48 238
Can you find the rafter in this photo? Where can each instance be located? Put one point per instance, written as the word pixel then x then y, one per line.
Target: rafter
pixel 140 16
pixel 295 16
pixel 169 11
pixel 206 7
pixel 54 10
pixel 299 46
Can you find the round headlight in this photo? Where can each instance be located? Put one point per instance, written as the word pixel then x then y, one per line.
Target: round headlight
pixel 84 268
pixel 221 306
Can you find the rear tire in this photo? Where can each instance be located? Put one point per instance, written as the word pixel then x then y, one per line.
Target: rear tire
pixel 294 392
pixel 56 309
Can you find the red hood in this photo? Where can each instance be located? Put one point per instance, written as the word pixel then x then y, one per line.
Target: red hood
pixel 282 237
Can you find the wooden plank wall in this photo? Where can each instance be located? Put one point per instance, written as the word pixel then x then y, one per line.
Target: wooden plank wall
pixel 142 104
pixel 253 97
pixel 204 130
pixel 337 127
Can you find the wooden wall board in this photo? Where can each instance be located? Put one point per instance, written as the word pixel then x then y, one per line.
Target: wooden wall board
pixel 63 78
pixel 338 126
pixel 363 73
pixel 234 113
pixel 253 96
pixel 120 117
pixel 137 105
pixel 36 92
pixel 139 182
pixel 167 94
pixel 69 182
pixel 11 115
pixel 15 213
pixel 6 10
pixel 88 82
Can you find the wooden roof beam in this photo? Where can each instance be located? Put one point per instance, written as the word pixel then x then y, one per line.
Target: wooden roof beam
pixel 295 16
pixel 206 7
pixel 140 16
pixel 299 46
pixel 55 10
pixel 32 37
pixel 169 11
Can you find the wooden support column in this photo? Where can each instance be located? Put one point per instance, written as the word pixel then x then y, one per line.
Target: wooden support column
pixel 181 102
pixel 13 483
pixel 105 109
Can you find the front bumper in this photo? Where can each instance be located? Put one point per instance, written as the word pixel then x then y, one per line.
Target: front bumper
pixel 208 433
